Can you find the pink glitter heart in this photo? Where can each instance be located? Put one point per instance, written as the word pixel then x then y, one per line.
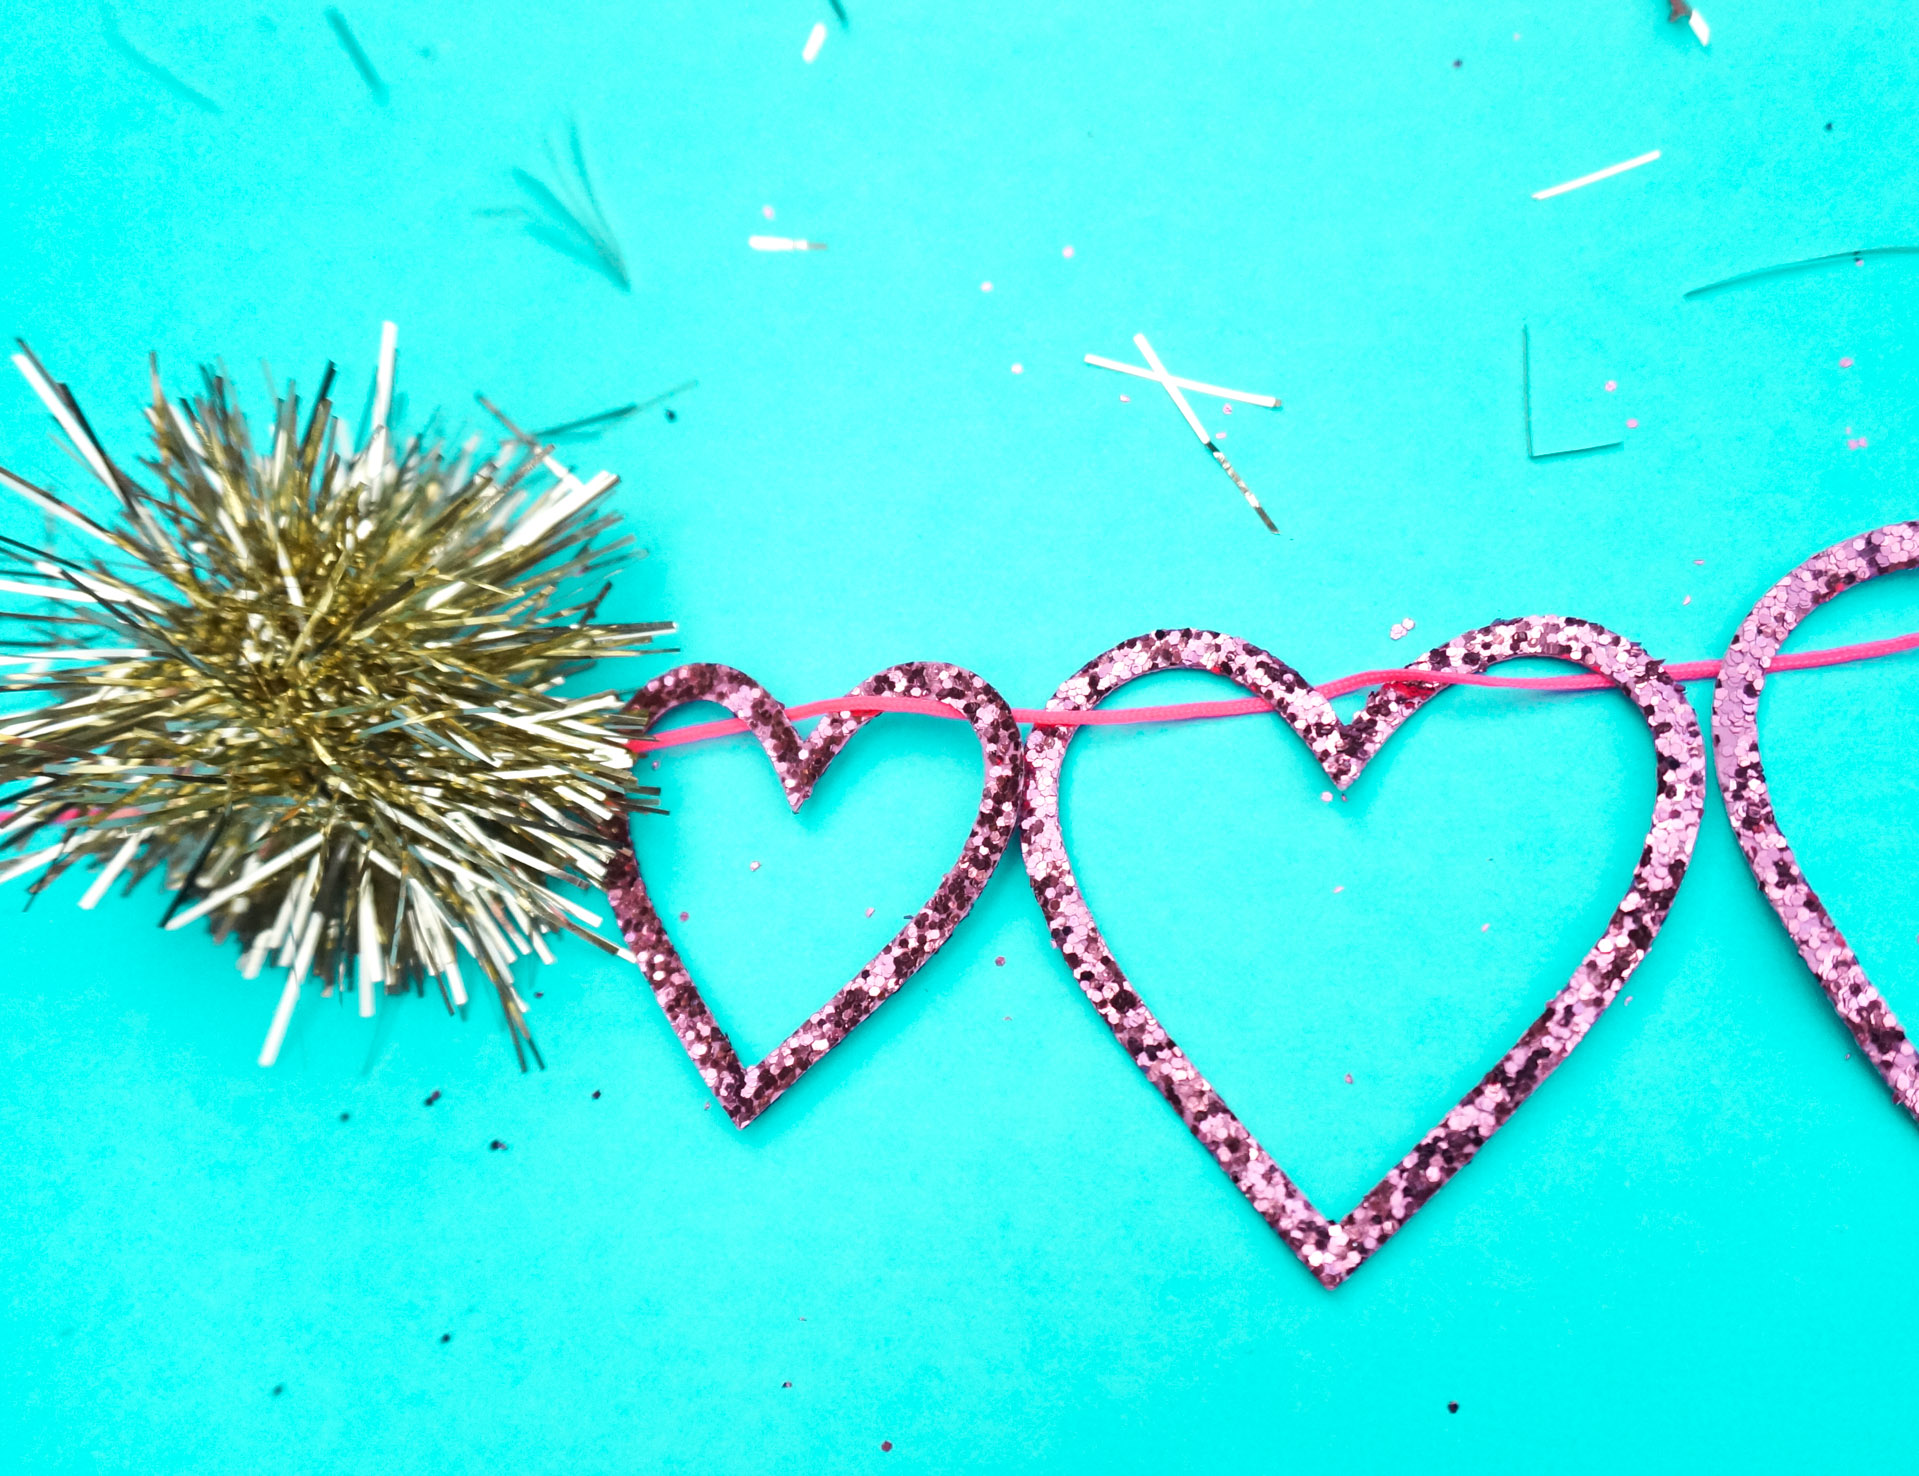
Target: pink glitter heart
pixel 1742 780
pixel 1334 1251
pixel 747 1091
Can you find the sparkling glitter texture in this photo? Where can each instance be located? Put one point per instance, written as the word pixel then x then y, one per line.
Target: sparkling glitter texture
pixel 1334 1251
pixel 1742 780
pixel 747 1091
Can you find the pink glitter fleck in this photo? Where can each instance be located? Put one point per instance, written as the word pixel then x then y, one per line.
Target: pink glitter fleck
pixel 1349 1078
pixel 1126 399
pixel 1326 796
pixel 684 916
pixel 1846 363
pixel 752 866
pixel 869 912
pixel 1687 600
pixel 1485 927
pixel 1019 368
pixel 767 211
pixel 1611 385
pixel 999 961
pixel 986 286
pixel 1699 561
pixel 1632 425
pixel 1067 252
pixel 1226 409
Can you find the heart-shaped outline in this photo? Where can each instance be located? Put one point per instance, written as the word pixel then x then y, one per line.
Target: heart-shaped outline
pixel 747 1091
pixel 1333 1252
pixel 1742 782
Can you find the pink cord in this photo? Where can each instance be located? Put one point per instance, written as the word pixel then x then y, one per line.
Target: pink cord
pixel 1683 671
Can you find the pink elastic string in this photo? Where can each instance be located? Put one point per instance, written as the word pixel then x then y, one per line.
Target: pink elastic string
pixel 1683 671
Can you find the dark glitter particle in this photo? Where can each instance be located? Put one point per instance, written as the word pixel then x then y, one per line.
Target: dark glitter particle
pixel 1829 128
pixel 1453 1407
pixel 1457 62
pixel 432 1099
pixel 1000 961
pixel 596 1096
pixel 886 1445
pixel 497 1146
pixel 787 1385
pixel 344 1116
pixel 446 1337
pixel 279 1389
pixel 671 416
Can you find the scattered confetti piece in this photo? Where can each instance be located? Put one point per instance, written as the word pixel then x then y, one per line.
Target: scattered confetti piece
pixel 787 1385
pixel 999 962
pixel 344 1116
pixel 1687 600
pixel 432 1098
pixel 1349 1078
pixel 767 211
pixel 1019 368
pixel 869 912
pixel 1407 623
pixel 752 866
pixel 815 39
pixel 1632 425
pixel 1338 890
pixel 1326 796
pixel 886 1445
pixel 1598 174
pixel 1067 251
pixel 1397 632
pixel 1611 385
pixel 1485 927
pixel 684 916
pixel 986 286
pixel 1699 561
pixel 1157 371
pixel 1126 399
pixel 596 1094
pixel 1452 1406
pixel 784 243
pixel 496 1146
pixel 1846 363
pixel 279 1389
pixel 1700 28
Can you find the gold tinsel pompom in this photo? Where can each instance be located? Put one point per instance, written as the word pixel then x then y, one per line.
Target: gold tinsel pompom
pixel 313 687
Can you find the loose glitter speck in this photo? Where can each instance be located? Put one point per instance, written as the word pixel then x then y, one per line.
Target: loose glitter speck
pixel 1067 252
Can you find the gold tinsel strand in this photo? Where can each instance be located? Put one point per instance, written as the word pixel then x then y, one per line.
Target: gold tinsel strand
pixel 313 687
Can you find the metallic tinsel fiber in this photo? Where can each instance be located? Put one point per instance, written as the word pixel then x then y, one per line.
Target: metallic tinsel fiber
pixel 313 687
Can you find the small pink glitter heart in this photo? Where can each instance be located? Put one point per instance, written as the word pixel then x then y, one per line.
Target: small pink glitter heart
pixel 1742 780
pixel 747 1091
pixel 1334 1251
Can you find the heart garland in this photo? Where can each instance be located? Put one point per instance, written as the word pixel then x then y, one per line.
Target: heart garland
pixel 747 1091
pixel 1334 1251
pixel 1742 780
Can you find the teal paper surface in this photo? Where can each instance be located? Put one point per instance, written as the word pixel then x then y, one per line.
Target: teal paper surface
pixel 974 1232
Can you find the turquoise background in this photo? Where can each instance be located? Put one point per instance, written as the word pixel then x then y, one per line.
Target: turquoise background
pixel 974 1231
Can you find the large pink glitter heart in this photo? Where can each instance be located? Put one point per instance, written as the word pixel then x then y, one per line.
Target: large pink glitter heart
pixel 1742 780
pixel 747 1091
pixel 1334 1251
